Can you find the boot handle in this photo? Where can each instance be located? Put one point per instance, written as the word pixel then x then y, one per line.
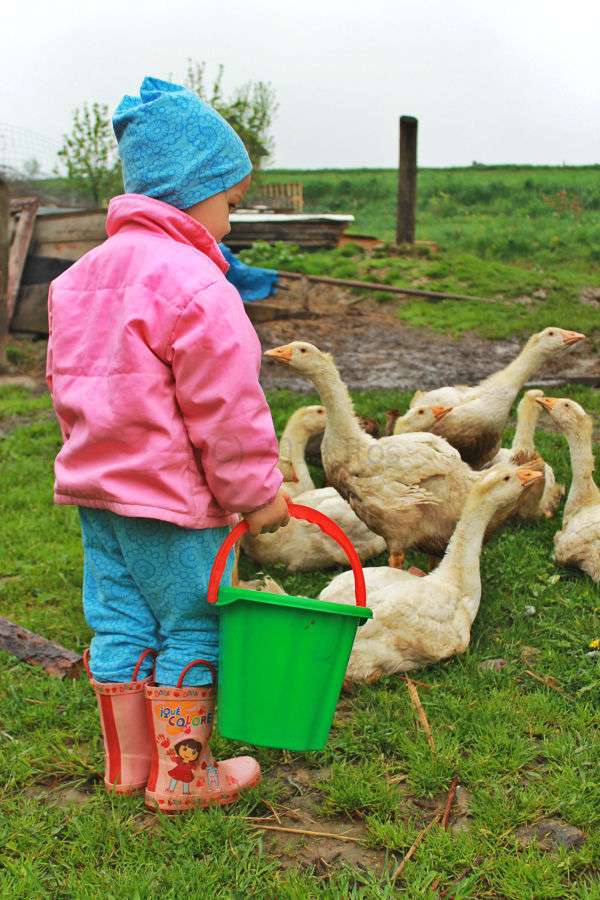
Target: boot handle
pixel 198 662
pixel 327 526
pixel 86 664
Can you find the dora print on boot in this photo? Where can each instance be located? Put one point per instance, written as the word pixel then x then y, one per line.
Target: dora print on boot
pixel 183 771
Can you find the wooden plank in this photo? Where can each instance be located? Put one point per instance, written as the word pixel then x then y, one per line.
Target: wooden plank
pixel 259 312
pixel 82 225
pixel 4 245
pixel 67 250
pixel 31 311
pixel 43 269
pixel 39 651
pixel 26 209
pixel 371 286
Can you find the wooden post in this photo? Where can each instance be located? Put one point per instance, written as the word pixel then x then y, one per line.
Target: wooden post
pixel 4 246
pixel 407 181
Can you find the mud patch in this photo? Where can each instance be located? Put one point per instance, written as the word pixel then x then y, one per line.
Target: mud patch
pixel 302 839
pixel 375 351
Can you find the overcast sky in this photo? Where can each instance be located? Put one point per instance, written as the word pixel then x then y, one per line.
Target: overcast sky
pixel 516 81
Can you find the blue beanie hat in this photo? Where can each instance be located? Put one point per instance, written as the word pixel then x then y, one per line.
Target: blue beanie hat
pixel 176 147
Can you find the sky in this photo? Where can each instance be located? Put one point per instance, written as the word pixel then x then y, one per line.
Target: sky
pixel 515 81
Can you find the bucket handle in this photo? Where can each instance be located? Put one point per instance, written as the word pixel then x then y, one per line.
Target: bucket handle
pixel 86 662
pixel 197 662
pixel 297 511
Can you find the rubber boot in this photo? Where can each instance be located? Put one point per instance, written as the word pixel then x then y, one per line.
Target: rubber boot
pixel 184 774
pixel 125 730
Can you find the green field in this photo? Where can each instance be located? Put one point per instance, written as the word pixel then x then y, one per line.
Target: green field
pixel 523 736
pixel 527 238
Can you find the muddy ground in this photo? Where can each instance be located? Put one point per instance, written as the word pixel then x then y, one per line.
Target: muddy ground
pixel 375 351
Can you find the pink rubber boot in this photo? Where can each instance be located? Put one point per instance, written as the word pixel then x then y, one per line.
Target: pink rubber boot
pixel 125 729
pixel 184 773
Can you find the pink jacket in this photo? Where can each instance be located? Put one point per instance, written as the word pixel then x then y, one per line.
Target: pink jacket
pixel 153 369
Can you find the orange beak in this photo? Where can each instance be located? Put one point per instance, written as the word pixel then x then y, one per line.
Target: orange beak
pixel 439 411
pixel 571 337
pixel 528 476
pixel 547 402
pixel 280 354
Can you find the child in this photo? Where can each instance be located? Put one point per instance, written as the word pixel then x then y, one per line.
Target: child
pixel 153 370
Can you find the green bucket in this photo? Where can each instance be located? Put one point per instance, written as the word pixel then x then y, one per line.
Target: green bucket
pixel 283 658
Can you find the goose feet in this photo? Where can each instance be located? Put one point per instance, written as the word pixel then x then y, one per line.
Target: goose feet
pixel 396 560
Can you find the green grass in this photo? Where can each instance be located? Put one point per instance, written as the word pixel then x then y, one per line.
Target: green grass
pixel 522 750
pixel 526 237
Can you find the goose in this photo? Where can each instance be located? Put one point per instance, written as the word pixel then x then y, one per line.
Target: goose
pixel 302 546
pixel 422 620
pixel 545 497
pixel 301 426
pixel 578 542
pixel 408 488
pixel 479 415
pixel 417 418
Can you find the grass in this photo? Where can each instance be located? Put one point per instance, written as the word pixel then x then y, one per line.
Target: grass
pixel 525 237
pixel 523 750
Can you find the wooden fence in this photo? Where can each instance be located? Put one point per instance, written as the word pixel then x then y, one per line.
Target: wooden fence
pixel 287 193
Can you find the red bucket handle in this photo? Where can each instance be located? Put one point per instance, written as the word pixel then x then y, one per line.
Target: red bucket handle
pixel 297 511
pixel 86 662
pixel 198 662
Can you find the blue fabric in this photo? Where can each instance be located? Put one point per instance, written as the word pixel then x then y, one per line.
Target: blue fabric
pixel 175 147
pixel 144 585
pixel 251 282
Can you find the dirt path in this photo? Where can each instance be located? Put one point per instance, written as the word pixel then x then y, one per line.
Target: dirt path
pixel 375 351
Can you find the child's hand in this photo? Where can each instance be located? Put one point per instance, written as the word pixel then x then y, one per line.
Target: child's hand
pixel 270 517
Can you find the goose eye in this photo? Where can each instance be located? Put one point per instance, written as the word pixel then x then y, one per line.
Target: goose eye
pixel 567 405
pixel 506 478
pixel 551 333
pixel 302 349
pixel 421 411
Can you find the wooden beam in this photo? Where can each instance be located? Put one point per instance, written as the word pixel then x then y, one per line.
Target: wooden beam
pixel 26 208
pixel 407 181
pixel 390 288
pixel 39 651
pixel 4 244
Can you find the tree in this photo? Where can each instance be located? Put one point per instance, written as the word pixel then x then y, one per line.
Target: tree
pixel 250 110
pixel 90 154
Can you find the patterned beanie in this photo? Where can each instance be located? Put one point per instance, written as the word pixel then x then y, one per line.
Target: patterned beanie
pixel 176 147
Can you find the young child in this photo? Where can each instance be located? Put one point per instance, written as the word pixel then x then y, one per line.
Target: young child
pixel 153 370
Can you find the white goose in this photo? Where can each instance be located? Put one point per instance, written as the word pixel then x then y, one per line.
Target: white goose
pixel 302 425
pixel 421 620
pixel 419 418
pixel 543 499
pixel 301 546
pixel 578 542
pixel 409 488
pixel 479 415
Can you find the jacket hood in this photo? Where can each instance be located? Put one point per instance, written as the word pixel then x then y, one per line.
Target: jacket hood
pixel 129 212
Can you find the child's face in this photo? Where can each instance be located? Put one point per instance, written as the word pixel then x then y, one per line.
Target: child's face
pixel 213 212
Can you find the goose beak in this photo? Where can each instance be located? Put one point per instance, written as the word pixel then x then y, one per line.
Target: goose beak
pixel 528 476
pixel 281 354
pixel 571 337
pixel 440 411
pixel 547 402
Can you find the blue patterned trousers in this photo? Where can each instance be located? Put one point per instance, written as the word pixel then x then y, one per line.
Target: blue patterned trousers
pixel 144 585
